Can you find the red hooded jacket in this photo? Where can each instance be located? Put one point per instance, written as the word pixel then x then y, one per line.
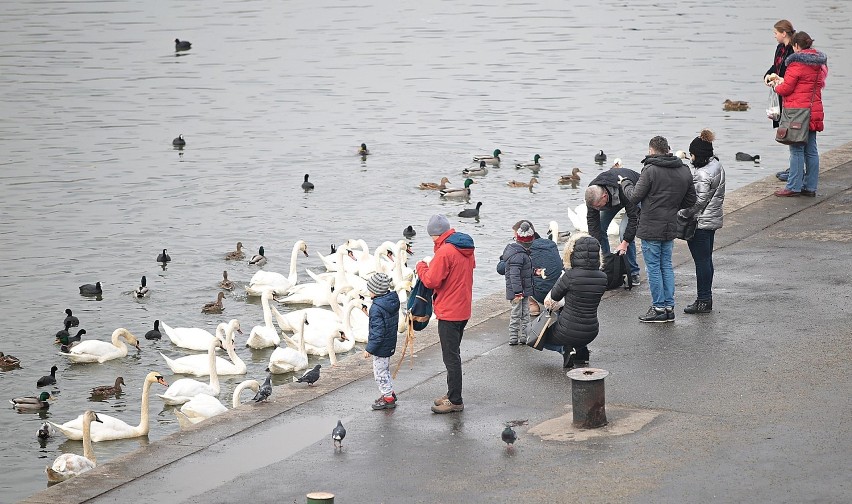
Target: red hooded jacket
pixel 450 274
pixel 805 77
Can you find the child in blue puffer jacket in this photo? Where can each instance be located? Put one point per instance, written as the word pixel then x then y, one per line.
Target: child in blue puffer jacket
pixel 381 340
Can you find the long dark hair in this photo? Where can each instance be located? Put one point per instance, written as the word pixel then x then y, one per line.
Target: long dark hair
pixel 803 40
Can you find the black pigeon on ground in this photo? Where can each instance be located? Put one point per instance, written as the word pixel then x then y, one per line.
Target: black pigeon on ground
pixel 164 257
pixel 509 436
pixel 154 334
pixel 471 212
pixel 310 377
pixel 265 390
pixel 91 289
pixel 600 157
pixel 742 156
pixel 182 45
pixel 49 379
pixel 338 434
pixel 63 333
pixel 307 186
pixel 409 232
pixel 69 317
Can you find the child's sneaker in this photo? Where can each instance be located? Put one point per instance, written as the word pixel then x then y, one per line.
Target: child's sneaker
pixel 384 402
pixel 513 340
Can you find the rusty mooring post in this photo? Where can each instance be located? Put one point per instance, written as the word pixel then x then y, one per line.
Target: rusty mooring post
pixel 588 397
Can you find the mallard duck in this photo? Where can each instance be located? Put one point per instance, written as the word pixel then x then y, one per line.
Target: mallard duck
pixel 69 465
pixel 32 403
pixel 163 257
pixel 463 192
pixel 471 212
pixel 69 317
pixel 307 186
pixel 225 283
pixel 215 306
pixel 515 183
pixel 409 232
pixel 735 105
pixel 493 159
pixel 570 179
pixel 9 360
pixel 154 334
pixel 63 333
pixel 236 254
pixel 179 141
pixel 435 186
pixel 70 340
pixel 108 390
pixel 182 45
pixel 91 289
pixel 600 157
pixel 363 151
pixel 258 259
pixel 142 290
pixel 48 379
pixel 532 166
pixel 482 170
pixel 742 156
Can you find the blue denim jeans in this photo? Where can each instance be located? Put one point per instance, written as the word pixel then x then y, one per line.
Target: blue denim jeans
pixel 658 267
pixel 607 214
pixel 701 248
pixel 804 165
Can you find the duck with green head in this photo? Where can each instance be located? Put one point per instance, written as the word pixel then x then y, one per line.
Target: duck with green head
pixel 493 159
pixel 535 165
pixel 32 403
pixel 482 170
pixel 460 192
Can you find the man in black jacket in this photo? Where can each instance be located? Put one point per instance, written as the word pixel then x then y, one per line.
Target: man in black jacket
pixel 604 199
pixel 664 187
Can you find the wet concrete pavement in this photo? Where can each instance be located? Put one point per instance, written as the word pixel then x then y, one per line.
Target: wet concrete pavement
pixel 749 403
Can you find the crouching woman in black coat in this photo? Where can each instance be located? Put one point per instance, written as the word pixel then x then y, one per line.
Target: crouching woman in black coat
pixel 580 288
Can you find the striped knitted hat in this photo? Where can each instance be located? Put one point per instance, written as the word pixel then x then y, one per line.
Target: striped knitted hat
pixel 379 284
pixel 524 233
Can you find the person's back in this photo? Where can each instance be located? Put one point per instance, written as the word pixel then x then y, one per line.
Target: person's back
pixel 664 187
pixel 544 255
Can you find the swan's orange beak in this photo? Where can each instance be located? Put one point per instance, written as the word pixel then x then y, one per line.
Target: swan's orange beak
pixel 351 255
pixel 162 381
pixel 305 251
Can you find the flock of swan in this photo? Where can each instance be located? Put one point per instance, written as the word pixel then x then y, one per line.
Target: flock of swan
pixel 333 323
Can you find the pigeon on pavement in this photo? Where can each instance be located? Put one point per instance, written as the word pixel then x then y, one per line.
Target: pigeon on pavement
pixel 509 436
pixel 310 376
pixel 265 390
pixel 338 434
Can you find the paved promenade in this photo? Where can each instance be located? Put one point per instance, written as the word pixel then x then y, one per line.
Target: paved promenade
pixel 748 404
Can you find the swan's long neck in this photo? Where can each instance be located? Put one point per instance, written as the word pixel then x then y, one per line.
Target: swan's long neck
pixel 88 452
pixel 332 356
pixel 220 332
pixel 282 322
pixel 267 313
pixel 302 350
pixel 252 384
pixel 214 375
pixel 232 354
pixel 291 276
pixel 117 336
pixel 143 428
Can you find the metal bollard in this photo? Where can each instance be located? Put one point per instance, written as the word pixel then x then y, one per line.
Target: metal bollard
pixel 588 397
pixel 320 498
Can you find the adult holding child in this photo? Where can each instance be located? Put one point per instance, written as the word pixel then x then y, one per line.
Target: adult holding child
pixel 802 87
pixel 708 176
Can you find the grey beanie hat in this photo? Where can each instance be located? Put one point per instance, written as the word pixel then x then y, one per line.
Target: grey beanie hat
pixel 379 284
pixel 438 225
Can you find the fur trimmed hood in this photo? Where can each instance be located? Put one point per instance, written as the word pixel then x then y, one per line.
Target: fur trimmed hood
pixel 589 252
pixel 808 57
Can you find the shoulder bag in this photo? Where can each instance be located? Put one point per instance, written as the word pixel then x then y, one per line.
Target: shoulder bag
pixel 795 123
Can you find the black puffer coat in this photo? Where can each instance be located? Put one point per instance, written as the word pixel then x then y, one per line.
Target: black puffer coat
pixel 664 187
pixel 582 285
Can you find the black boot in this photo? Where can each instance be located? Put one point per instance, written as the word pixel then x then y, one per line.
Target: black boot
pixel 700 306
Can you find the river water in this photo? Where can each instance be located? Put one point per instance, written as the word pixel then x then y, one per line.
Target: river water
pixel 92 188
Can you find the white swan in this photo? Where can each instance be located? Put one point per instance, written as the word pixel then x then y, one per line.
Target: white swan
pixel 359 322
pixel 264 336
pixel 286 359
pixel 578 220
pixel 291 321
pixel 247 384
pixel 69 465
pixel 278 283
pixel 555 234
pixel 199 365
pixel 194 338
pixel 198 409
pixel 185 389
pixel 350 262
pixel 112 428
pixel 101 351
pixel 316 293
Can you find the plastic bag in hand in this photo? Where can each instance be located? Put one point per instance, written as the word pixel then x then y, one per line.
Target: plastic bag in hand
pixel 773 111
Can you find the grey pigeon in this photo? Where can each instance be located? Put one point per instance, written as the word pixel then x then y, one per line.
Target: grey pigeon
pixel 265 390
pixel 338 434
pixel 310 377
pixel 71 318
pixel 509 436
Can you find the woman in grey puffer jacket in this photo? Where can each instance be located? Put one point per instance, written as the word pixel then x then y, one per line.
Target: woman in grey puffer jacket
pixel 709 179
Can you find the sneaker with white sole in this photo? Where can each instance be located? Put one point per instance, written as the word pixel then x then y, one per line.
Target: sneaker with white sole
pixel 655 314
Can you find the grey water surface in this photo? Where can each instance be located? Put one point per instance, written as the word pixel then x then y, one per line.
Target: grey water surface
pixel 92 189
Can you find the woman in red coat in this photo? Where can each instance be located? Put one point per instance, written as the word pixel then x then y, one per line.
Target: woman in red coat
pixel 801 87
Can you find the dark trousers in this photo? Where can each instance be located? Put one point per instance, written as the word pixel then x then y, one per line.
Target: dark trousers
pixel 701 248
pixel 450 334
